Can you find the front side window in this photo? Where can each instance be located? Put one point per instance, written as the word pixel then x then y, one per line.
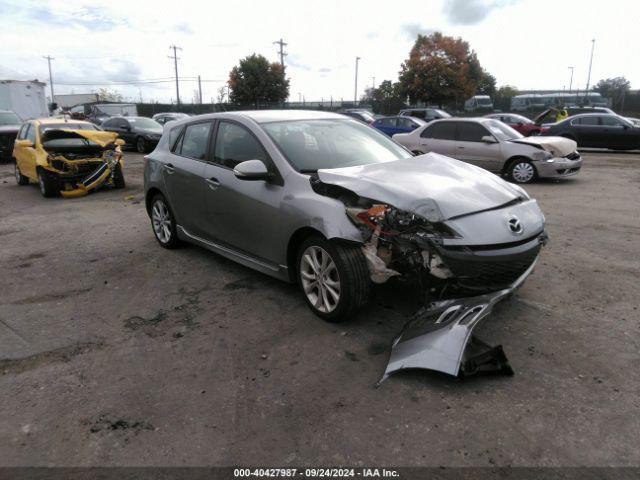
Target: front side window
pixel 195 141
pixel 23 131
pixel 611 121
pixel 471 132
pixel 440 131
pixel 310 145
pixel 235 144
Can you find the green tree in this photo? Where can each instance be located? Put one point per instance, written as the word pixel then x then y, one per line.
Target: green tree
pixel 255 81
pixel 486 85
pixel 613 88
pixel 106 95
pixel 387 98
pixel 440 70
pixel 503 96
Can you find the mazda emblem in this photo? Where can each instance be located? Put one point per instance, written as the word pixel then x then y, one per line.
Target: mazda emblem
pixel 514 225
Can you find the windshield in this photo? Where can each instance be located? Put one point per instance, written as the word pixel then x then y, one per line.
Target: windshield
pixel 521 119
pixel 143 122
pixel 114 110
pixel 313 144
pixel 501 131
pixel 9 118
pixel 67 126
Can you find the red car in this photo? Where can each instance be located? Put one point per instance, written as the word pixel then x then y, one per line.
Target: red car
pixel 519 123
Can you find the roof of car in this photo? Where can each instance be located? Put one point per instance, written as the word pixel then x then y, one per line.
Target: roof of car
pixel 265 116
pixel 48 120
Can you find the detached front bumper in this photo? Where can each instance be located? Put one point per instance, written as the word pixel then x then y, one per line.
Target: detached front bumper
pixel 559 167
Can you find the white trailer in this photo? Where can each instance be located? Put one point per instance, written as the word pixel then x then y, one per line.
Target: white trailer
pixel 73 99
pixel 24 97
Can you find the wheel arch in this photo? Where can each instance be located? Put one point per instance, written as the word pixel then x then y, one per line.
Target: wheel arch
pixel 511 160
pixel 296 239
pixel 152 192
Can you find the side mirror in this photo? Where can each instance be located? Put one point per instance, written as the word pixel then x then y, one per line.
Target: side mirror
pixel 24 143
pixel 252 170
pixel 488 139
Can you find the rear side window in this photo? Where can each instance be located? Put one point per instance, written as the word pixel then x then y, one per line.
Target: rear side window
pixel 417 113
pixel 389 122
pixel 611 121
pixel 31 133
pixel 195 141
pixel 235 144
pixel 471 132
pixel 406 123
pixel 440 131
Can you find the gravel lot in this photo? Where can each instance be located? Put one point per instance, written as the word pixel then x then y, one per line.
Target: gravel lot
pixel 114 351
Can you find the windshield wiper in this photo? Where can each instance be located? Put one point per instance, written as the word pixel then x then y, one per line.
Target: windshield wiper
pixel 315 170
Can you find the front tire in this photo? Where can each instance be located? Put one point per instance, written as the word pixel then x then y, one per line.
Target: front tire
pixel 334 278
pixel 20 179
pixel 163 222
pixel 48 183
pixel 522 171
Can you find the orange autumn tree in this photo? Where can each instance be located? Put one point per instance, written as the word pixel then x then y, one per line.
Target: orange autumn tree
pixel 440 70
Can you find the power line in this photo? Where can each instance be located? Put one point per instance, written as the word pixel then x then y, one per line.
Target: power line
pixel 282 53
pixel 175 63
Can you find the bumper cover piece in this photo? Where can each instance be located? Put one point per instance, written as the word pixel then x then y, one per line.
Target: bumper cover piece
pixel 437 336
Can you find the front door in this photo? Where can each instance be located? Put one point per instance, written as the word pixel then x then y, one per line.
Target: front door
pixel 439 137
pixel 243 214
pixel 26 156
pixel 471 148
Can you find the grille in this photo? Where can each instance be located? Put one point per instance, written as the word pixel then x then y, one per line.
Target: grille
pixel 573 156
pixel 477 271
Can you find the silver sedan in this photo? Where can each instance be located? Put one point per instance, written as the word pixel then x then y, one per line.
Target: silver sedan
pixel 492 145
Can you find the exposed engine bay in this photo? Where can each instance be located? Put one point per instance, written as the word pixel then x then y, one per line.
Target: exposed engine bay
pixel 83 160
pixel 458 284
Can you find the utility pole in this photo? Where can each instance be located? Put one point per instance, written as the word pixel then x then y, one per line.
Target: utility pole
pixel 571 80
pixel 355 94
pixel 593 44
pixel 282 53
pixel 49 58
pixel 175 64
pixel 374 82
pixel 199 89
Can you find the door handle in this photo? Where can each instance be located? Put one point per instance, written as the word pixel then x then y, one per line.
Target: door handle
pixel 213 183
pixel 169 168
pixel 460 146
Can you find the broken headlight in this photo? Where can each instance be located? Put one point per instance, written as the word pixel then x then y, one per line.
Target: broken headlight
pixel 390 221
pixel 542 155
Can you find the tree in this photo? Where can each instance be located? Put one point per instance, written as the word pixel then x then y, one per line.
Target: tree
pixel 613 88
pixel 257 81
pixel 486 85
pixel 441 70
pixel 221 93
pixel 503 96
pixel 106 95
pixel 387 98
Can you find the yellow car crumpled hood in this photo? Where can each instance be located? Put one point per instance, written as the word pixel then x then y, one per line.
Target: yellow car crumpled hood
pixel 98 137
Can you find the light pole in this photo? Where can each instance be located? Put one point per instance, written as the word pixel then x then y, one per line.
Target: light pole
pixel 355 94
pixel 571 80
pixel 49 58
pixel 299 97
pixel 593 44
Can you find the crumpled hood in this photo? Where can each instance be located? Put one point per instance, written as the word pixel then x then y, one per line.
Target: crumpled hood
pixel 431 185
pixel 557 146
pixel 96 136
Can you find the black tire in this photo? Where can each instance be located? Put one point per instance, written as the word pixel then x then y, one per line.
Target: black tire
pixel 48 183
pixel 352 274
pixel 172 241
pixel 20 178
pixel 118 177
pixel 141 145
pixel 517 168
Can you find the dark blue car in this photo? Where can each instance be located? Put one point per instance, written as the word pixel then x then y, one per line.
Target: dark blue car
pixel 393 125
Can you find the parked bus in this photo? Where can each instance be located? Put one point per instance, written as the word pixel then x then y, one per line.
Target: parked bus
pixel 479 103
pixel 527 102
pixel 593 99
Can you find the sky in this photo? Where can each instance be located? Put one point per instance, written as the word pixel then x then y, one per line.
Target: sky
pixel 529 44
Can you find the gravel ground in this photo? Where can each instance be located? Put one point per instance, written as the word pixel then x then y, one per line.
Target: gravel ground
pixel 114 351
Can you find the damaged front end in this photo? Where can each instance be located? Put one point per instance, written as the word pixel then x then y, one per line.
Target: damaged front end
pixel 459 283
pixel 82 160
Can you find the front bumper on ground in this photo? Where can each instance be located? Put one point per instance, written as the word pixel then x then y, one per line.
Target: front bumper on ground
pixel 91 182
pixel 559 167
pixel 437 336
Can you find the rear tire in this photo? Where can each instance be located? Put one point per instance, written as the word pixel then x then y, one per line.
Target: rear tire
pixel 334 278
pixel 20 179
pixel 118 177
pixel 141 145
pixel 163 222
pixel 522 171
pixel 48 183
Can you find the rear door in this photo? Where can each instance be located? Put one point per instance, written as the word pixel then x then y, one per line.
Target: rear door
pixel 184 176
pixel 587 131
pixel 617 134
pixel 439 137
pixel 472 149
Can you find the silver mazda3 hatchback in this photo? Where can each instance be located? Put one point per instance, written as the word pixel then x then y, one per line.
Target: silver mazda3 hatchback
pixel 331 204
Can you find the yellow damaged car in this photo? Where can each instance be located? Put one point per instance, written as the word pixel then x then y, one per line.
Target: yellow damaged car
pixel 67 157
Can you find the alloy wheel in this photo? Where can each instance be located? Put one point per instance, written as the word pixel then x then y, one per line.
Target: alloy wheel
pixel 141 145
pixel 17 173
pixel 320 279
pixel 523 172
pixel 161 220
